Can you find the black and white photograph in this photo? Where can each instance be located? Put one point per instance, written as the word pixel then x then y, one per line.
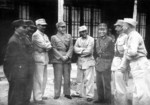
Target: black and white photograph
pixel 74 52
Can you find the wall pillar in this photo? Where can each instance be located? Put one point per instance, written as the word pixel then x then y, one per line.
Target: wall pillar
pixel 60 10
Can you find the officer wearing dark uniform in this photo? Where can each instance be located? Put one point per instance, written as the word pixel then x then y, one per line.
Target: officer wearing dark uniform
pixel 105 52
pixel 17 65
pixel 31 28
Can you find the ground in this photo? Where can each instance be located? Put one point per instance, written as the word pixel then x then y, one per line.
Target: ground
pixel 49 92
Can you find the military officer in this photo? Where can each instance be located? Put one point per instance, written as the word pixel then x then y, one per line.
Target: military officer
pixel 135 56
pixel 17 61
pixel 30 30
pixel 84 47
pixel 62 53
pixel 118 78
pixel 41 46
pixel 105 52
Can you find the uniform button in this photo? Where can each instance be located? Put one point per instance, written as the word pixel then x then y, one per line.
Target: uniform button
pixel 20 66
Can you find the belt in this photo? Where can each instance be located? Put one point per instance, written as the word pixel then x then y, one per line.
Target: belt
pixel 117 54
pixel 85 56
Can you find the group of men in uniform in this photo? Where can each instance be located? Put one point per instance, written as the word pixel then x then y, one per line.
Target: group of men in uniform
pixel 112 64
pixel 130 56
pixel 134 58
pixel 26 59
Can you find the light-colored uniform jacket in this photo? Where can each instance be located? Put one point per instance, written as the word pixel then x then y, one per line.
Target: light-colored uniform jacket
pixel 85 58
pixel 62 46
pixel 41 46
pixel 119 51
pixel 135 56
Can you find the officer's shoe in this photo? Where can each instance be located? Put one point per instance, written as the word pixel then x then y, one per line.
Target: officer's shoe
pixel 89 99
pixel 98 101
pixel 68 96
pixel 76 94
pixel 56 97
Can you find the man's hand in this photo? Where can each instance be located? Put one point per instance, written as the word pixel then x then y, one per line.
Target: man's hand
pixel 121 69
pixel 64 58
pixel 82 50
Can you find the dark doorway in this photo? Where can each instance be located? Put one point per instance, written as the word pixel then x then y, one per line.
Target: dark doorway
pixel 7 15
pixel 46 10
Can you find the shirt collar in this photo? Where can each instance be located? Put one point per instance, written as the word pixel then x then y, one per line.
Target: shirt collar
pixel 85 38
pixel 40 32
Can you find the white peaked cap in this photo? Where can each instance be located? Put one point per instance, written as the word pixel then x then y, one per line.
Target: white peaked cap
pixel 82 28
pixel 119 22
pixel 40 21
pixel 130 21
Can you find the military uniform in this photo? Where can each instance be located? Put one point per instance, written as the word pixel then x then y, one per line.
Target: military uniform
pixel 135 56
pixel 17 67
pixel 119 84
pixel 41 46
pixel 30 30
pixel 86 67
pixel 105 52
pixel 62 46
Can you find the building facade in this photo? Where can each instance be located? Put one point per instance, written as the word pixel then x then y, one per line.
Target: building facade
pixel 76 13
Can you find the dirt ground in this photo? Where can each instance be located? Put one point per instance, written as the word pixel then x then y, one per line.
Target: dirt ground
pixel 49 92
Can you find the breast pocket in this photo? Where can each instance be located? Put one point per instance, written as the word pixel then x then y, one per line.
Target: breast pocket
pixel 120 42
pixel 120 46
pixel 67 41
pixel 59 44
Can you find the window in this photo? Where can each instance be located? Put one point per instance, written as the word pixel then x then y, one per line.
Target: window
pixel 75 21
pixel 87 18
pixel 76 16
pixel 66 13
pixel 7 4
pixel 96 21
pixel 141 27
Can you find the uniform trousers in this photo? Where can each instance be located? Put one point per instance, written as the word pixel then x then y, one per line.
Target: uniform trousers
pixel 103 80
pixel 85 82
pixel 39 81
pixel 29 88
pixel 140 70
pixel 120 88
pixel 61 70
pixel 20 85
pixel 18 93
